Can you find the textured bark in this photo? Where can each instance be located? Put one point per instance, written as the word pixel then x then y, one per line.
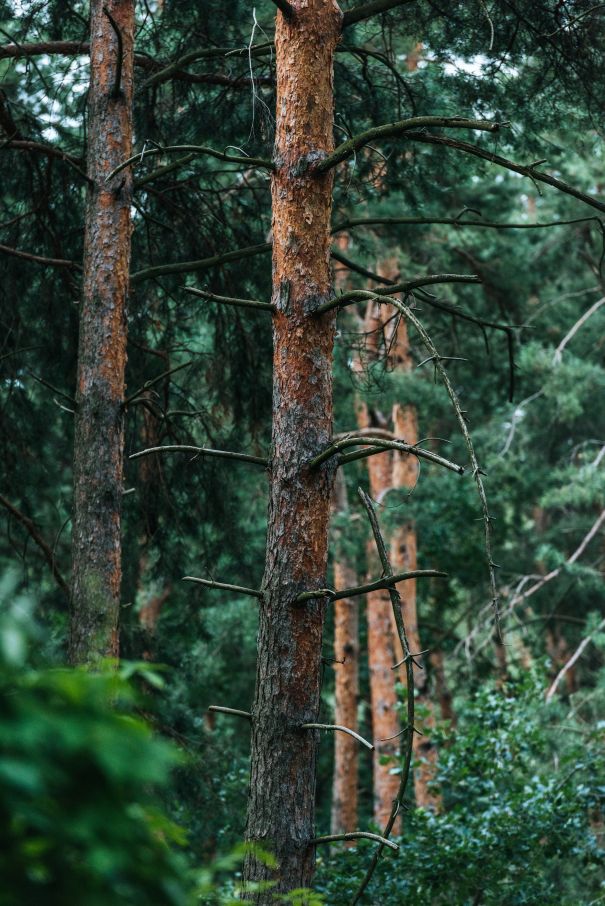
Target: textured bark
pixel 282 788
pixel 346 692
pixel 99 419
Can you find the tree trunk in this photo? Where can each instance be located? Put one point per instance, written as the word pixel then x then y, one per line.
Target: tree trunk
pixel 346 692
pixel 281 804
pixel 99 417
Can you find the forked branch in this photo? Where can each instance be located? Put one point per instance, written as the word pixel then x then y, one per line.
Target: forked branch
pixel 358 295
pixel 376 445
pixel 376 585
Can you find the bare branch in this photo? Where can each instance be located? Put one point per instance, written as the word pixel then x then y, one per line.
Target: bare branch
pixel 355 835
pixel 35 535
pixel 153 382
pixel 166 70
pixel 572 660
pixel 394 130
pixel 235 712
pixel 181 267
pixel 342 729
pixel 571 333
pixel 39 259
pixel 192 149
pixel 379 444
pixel 358 268
pixel 225 586
pixel 228 300
pixel 48 151
pixel 357 295
pixel 376 585
pixel 160 172
pixel 456 222
pixel 573 21
pixel 201 451
pixel 521 596
pixel 531 172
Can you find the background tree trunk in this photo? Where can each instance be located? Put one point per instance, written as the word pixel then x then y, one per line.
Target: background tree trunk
pixel 281 804
pixel 99 417
pixel 346 691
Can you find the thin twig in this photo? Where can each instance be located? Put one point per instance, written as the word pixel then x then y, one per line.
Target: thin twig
pixel 229 300
pixel 191 149
pixel 572 660
pixel 201 451
pixel 153 381
pixel 355 835
pixel 225 586
pixel 570 334
pixel 342 729
pixel 218 709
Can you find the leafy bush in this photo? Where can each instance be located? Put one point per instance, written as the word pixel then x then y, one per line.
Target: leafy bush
pixel 78 770
pixel 522 825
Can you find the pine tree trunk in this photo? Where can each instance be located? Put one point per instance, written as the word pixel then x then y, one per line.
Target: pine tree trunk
pixel 281 804
pixel 99 418
pixel 346 690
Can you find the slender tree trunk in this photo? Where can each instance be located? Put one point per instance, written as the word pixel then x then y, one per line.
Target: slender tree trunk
pixel 381 641
pixel 99 418
pixel 346 692
pixel 281 804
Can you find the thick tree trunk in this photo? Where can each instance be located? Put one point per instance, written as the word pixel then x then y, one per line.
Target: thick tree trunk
pixel 346 691
pixel 99 418
pixel 282 792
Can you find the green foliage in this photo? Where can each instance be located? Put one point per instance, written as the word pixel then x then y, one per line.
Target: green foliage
pixel 79 819
pixel 522 819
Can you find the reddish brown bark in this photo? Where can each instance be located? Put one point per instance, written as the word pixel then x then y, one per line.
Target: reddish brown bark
pixel 397 470
pixel 282 789
pixel 346 691
pixel 99 418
